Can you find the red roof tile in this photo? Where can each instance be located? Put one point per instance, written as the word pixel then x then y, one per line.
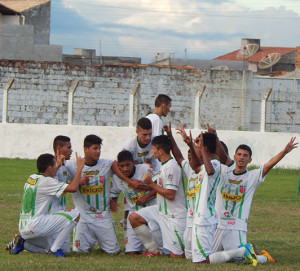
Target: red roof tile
pixel 257 56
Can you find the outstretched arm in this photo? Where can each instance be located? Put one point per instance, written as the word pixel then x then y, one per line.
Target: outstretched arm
pixel 288 148
pixel 206 161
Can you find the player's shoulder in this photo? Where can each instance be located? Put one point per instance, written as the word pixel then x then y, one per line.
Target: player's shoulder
pixel 130 142
pixel 105 162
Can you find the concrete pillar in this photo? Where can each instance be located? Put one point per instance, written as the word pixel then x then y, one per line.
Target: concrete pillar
pixel 70 102
pixel 263 110
pixel 131 103
pixel 5 96
pixel 197 106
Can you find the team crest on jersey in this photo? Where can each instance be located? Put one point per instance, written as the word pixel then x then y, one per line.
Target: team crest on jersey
pixel 160 181
pixel 77 243
pixel 242 188
pixel 101 179
pixel 227 214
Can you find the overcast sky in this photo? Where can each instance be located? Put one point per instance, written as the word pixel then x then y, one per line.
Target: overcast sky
pixel 193 28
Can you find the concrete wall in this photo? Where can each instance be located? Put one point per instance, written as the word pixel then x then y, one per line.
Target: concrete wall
pixel 9 19
pixel 29 141
pixel 231 100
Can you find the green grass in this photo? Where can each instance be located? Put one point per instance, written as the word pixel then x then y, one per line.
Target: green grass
pixel 274 224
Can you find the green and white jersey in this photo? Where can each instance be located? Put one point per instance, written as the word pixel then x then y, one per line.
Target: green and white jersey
pixel 141 155
pixel 236 192
pixel 157 124
pixel 205 193
pixel 130 195
pixel 92 199
pixel 38 194
pixel 60 203
pixel 170 177
pixel 190 191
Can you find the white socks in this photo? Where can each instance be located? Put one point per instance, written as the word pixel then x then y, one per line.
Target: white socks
pixel 61 238
pixel 226 255
pixel 262 259
pixel 143 233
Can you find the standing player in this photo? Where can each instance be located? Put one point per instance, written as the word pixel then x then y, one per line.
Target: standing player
pixel 92 200
pixel 162 108
pixel 140 146
pixel 37 225
pixel 134 200
pixel 170 211
pixel 235 193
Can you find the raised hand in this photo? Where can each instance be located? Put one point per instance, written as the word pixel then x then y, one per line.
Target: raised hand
pixel 211 130
pixel 168 129
pixel 79 161
pixel 291 145
pixel 181 131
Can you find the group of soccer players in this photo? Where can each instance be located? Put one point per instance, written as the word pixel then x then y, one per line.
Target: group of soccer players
pixel 204 220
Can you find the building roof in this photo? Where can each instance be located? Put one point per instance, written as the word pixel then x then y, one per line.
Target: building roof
pixel 21 5
pixel 257 56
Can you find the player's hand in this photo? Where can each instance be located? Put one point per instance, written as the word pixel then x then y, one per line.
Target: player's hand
pixel 138 185
pixel 181 131
pixel 79 161
pixel 168 129
pixel 85 179
pixel 60 159
pixel 142 200
pixel 199 141
pixel 291 145
pixel 189 140
pixel 113 206
pixel 148 179
pixel 211 130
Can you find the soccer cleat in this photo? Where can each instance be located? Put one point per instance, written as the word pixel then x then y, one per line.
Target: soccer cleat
pixel 149 254
pixel 16 245
pixel 249 255
pixel 58 253
pixel 267 254
pixel 10 244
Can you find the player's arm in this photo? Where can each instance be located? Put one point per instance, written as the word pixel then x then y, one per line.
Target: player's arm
pixel 146 198
pixel 273 161
pixel 166 193
pixel 206 161
pixel 73 186
pixel 175 150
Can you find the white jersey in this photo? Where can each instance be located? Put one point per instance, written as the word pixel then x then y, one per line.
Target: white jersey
pixel 236 192
pixel 205 193
pixel 157 124
pixel 170 177
pixel 92 199
pixel 141 155
pixel 59 204
pixel 190 191
pixel 38 194
pixel 131 195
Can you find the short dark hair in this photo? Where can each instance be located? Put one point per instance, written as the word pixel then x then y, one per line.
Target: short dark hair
pixel 162 99
pixel 224 147
pixel 162 142
pixel 125 156
pixel 44 161
pixel 60 141
pixel 91 140
pixel 210 141
pixel 244 147
pixel 144 123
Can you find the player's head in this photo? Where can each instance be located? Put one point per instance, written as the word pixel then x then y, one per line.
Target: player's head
pixel 210 142
pixel 62 145
pixel 144 131
pixel 163 102
pixel 125 163
pixel 224 147
pixel 161 145
pixel 242 156
pixel 46 164
pixel 92 148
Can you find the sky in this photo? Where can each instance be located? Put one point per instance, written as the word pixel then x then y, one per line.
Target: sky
pixel 153 29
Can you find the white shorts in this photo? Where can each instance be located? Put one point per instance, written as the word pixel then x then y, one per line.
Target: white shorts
pixel 43 230
pixel 228 239
pixel 171 229
pixel 103 231
pixel 202 239
pixel 187 240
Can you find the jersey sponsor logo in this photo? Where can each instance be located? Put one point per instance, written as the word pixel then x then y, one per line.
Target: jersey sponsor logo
pixel 193 179
pixel 230 197
pixel 92 172
pixel 32 181
pixel 190 194
pixel 197 188
pixel 145 153
pixel 134 199
pixel 234 182
pixel 91 190
pixel 242 188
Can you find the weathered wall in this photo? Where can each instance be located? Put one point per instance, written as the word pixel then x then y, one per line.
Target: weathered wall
pixel 231 100
pixel 30 140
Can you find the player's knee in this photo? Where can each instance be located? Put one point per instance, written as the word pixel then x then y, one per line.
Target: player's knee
pixel 135 220
pixel 77 218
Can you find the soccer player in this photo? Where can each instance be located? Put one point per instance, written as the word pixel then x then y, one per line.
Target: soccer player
pixel 235 193
pixel 140 146
pixel 162 108
pixel 37 226
pixel 134 200
pixel 93 201
pixel 170 211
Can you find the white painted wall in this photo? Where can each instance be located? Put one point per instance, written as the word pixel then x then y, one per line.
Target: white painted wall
pixel 31 140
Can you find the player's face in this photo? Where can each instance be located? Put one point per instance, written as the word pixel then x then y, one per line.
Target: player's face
pixel 155 152
pixel 66 150
pixel 126 167
pixel 242 158
pixel 92 154
pixel 166 109
pixel 144 136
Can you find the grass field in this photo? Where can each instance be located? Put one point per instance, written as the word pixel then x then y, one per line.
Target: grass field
pixel 274 225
